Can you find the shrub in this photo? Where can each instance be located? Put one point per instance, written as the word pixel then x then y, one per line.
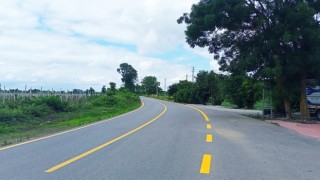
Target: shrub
pixel 54 103
pixel 37 110
pixel 9 115
pixel 4 129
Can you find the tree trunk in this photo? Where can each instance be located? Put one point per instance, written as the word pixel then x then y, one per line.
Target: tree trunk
pixel 287 106
pixel 303 97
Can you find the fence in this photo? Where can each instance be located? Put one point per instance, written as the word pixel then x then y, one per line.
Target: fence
pixel 13 95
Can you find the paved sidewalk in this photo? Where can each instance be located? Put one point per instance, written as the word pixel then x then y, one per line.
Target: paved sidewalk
pixel 311 130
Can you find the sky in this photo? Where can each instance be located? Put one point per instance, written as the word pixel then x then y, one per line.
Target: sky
pixel 78 44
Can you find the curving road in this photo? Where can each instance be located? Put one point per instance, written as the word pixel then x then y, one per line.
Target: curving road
pixel 164 140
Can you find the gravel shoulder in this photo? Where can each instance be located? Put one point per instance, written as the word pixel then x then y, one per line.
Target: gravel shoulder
pixel 238 111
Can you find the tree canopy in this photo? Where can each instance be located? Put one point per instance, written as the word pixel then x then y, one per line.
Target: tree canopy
pixel 271 40
pixel 129 76
pixel 150 84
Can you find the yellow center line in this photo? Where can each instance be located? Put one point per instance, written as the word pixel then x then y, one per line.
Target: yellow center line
pixel 65 163
pixel 68 131
pixel 203 114
pixel 206 163
pixel 209 126
pixel 209 138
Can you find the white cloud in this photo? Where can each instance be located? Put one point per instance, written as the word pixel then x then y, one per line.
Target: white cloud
pixel 47 43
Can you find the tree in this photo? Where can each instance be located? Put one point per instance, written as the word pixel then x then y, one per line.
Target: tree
pixel 112 86
pixel 215 83
pixel 139 89
pixel 172 89
pixel 207 87
pixel 150 85
pixel 233 84
pixel 90 91
pixel 112 89
pixel 129 75
pixel 202 87
pixel 242 91
pixel 186 92
pixel 103 89
pixel 77 91
pixel 273 40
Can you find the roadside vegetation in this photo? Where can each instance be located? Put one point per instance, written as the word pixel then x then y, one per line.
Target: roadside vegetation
pixel 276 42
pixel 209 88
pixel 35 113
pixel 26 118
pixel 267 50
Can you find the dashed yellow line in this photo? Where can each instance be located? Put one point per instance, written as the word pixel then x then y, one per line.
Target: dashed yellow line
pixel 209 126
pixel 206 163
pixel 105 144
pixel 209 138
pixel 68 131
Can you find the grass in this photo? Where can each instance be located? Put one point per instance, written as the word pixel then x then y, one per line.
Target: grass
pixel 257 105
pixel 162 97
pixel 228 104
pixel 28 127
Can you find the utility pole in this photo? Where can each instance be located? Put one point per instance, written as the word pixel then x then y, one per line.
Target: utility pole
pixel 186 77
pixel 192 74
pixel 165 84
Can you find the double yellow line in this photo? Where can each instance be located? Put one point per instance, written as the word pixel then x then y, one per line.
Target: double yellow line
pixel 65 163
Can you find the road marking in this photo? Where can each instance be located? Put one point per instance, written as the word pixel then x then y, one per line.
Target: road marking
pixel 209 126
pixel 209 138
pixel 203 114
pixel 68 131
pixel 105 144
pixel 206 163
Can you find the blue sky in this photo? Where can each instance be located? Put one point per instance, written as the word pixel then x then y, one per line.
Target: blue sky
pixel 80 44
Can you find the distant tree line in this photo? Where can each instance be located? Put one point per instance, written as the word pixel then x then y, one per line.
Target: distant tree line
pixel 209 88
pixel 215 88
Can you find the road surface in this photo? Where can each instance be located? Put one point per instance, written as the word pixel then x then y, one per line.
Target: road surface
pixel 164 140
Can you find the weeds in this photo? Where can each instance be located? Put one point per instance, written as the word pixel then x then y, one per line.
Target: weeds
pixel 26 118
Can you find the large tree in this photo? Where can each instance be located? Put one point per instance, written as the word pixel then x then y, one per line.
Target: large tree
pixel 150 84
pixel 207 86
pixel 129 76
pixel 184 92
pixel 271 40
pixel 202 87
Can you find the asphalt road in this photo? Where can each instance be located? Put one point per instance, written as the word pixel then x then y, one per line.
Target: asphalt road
pixel 164 140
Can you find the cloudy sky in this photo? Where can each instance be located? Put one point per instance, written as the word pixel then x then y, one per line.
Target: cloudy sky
pixel 80 43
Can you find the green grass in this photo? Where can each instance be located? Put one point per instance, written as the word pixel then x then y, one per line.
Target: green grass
pixel 162 97
pixel 27 127
pixel 228 104
pixel 257 105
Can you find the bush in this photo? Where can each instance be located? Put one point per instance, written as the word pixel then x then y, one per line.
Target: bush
pixel 4 129
pixel 54 103
pixel 9 116
pixel 37 110
pixel 216 100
